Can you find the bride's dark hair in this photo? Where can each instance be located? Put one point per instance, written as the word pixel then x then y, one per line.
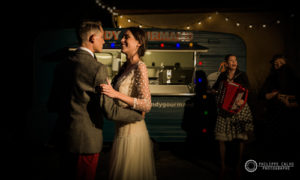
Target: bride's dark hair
pixel 141 37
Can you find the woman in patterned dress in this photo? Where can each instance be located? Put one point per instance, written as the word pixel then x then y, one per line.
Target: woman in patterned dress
pixel 229 126
pixel 132 156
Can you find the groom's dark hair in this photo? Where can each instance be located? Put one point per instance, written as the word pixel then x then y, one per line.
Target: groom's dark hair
pixel 85 27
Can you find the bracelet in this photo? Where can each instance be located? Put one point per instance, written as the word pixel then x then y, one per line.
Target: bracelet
pixel 134 103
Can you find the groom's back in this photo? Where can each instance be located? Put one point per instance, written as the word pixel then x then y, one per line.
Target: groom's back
pixel 78 103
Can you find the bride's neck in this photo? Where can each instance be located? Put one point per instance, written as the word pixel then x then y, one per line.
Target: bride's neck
pixel 132 59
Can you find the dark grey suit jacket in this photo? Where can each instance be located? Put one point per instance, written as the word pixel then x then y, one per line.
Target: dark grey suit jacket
pixel 80 106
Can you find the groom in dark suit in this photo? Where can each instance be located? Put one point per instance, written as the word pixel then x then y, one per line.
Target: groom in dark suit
pixel 76 98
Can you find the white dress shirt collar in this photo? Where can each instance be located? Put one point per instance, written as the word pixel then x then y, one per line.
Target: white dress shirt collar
pixel 86 49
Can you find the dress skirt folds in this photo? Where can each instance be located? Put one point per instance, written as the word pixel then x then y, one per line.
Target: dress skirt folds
pixel 132 153
pixel 234 126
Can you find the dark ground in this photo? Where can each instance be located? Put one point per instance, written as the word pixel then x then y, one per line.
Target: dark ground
pixel 175 161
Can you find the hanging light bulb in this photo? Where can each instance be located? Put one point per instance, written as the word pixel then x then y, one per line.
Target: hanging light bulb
pixel 199 23
pixel 278 21
pixel 237 24
pixel 226 19
pixel 264 26
pixel 188 27
pixel 250 26
pixel 129 20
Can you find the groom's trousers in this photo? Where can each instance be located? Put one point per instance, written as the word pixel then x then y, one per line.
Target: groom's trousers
pixel 79 166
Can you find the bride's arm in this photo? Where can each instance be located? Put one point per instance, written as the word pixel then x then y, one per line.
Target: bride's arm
pixel 143 102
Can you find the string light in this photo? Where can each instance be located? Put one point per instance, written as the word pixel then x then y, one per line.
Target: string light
pixel 203 21
pixel 106 7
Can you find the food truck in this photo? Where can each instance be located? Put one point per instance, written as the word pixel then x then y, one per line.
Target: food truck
pixel 172 58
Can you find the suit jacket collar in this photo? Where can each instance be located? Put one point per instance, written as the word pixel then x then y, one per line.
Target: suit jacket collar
pixel 87 50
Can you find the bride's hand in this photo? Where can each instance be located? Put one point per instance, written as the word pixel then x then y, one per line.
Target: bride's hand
pixel 108 90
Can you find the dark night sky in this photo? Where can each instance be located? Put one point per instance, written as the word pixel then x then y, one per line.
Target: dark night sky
pixel 54 13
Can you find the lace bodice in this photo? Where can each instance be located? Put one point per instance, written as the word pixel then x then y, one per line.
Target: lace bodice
pixel 135 83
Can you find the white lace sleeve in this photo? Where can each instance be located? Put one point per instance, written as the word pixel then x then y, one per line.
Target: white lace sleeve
pixel 143 101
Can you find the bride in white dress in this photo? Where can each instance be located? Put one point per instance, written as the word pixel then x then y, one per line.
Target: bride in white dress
pixel 132 153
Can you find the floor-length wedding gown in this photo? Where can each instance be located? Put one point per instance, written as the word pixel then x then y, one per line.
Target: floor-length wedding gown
pixel 132 153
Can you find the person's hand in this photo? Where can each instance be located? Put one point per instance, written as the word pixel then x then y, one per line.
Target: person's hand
pixel 212 91
pixel 108 90
pixel 271 95
pixel 240 102
pixel 285 99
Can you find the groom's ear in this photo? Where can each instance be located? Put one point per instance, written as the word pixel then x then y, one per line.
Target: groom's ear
pixel 92 38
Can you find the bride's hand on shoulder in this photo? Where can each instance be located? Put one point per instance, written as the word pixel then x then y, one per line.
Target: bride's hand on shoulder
pixel 108 90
